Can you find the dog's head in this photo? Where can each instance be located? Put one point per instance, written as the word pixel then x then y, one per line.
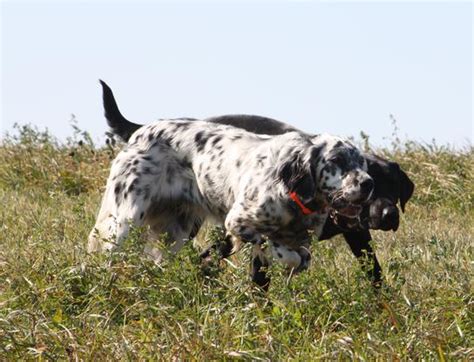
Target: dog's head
pixel 342 175
pixel 331 170
pixel 392 186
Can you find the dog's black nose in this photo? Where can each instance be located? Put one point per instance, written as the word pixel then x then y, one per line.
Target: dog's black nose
pixel 390 218
pixel 367 185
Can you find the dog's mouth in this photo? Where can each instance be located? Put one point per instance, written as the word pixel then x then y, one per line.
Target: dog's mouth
pixel 350 211
pixel 343 207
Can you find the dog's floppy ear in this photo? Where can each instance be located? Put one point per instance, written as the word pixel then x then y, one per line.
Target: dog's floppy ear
pixel 298 178
pixel 406 188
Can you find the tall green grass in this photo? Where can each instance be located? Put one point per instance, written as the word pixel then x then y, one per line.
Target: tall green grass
pixel 58 302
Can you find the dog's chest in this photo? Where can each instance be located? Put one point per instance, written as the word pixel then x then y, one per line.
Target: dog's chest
pixel 296 229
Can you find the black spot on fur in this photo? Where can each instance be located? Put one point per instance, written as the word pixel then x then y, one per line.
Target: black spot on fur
pixel 260 160
pixel 159 134
pixel 167 141
pixel 208 179
pixel 201 139
pixel 132 186
pixel 117 188
pixel 216 140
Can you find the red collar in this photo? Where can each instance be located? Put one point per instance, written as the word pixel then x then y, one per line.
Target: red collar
pixel 305 210
pixel 298 202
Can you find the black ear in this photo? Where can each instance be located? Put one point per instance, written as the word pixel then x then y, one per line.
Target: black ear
pixel 298 178
pixel 406 189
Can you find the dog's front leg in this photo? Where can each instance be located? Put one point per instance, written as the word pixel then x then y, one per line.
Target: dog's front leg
pixel 241 228
pixel 296 260
pixel 260 262
pixel 359 243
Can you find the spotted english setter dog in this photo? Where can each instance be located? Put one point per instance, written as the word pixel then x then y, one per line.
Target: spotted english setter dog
pixel 392 186
pixel 173 174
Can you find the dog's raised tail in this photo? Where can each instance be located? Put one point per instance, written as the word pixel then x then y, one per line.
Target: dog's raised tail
pixel 119 125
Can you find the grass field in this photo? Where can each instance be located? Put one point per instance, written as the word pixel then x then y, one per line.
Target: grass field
pixel 58 302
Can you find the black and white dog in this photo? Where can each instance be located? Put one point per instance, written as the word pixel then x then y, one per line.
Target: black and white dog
pixel 392 186
pixel 174 173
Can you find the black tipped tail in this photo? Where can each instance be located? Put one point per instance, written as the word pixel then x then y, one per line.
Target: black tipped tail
pixel 119 125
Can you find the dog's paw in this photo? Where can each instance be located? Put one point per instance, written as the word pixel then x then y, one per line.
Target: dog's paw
pixel 297 260
pixel 305 256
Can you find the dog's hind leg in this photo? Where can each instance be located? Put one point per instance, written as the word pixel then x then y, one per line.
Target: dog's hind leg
pixel 172 227
pixel 122 206
pixel 102 236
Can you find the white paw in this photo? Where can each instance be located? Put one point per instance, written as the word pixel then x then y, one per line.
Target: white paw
pixel 286 256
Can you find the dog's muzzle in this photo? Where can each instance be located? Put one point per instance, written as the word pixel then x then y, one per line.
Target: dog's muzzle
pixel 384 215
pixel 351 207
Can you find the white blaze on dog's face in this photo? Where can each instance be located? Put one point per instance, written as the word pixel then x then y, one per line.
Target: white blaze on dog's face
pixel 341 170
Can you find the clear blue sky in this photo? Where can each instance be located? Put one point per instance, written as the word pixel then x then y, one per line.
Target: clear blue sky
pixel 336 67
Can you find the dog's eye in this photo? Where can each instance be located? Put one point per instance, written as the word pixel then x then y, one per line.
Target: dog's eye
pixel 339 159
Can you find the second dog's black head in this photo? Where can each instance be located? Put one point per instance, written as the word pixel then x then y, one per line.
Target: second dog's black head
pixel 392 186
